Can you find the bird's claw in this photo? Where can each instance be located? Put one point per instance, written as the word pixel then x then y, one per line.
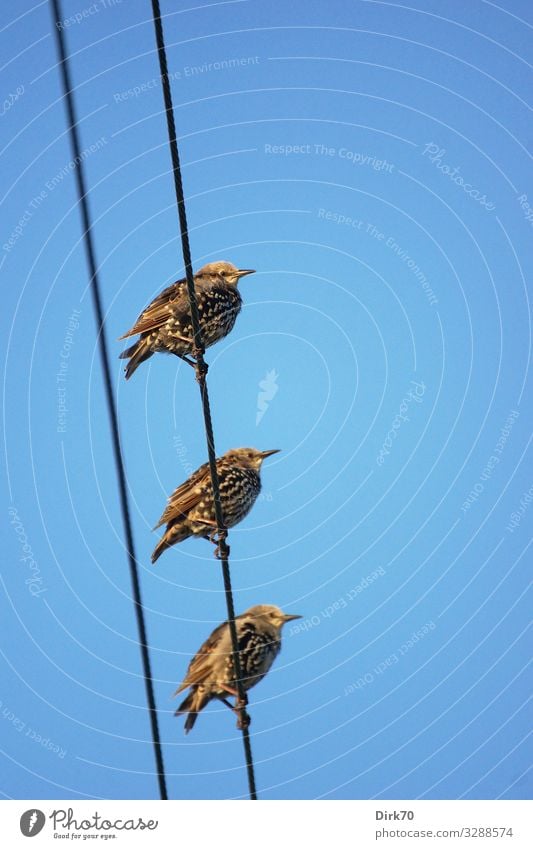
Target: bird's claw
pixel 200 365
pixel 201 371
pixel 185 359
pixel 244 720
pixel 221 547
pixel 243 717
pixel 221 550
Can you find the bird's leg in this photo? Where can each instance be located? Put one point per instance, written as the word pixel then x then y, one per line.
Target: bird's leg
pixel 186 360
pixel 243 717
pixel 201 371
pixel 182 356
pixel 201 366
pixel 221 547
pixel 211 524
pixel 231 690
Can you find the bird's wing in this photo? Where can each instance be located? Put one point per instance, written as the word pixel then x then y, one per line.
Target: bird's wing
pixel 198 671
pixel 186 496
pixel 156 314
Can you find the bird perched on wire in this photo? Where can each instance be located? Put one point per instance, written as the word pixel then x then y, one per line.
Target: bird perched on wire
pixel 191 511
pixel 211 673
pixel 165 325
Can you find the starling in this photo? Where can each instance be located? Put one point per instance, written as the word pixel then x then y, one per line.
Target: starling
pixel 211 673
pixel 165 325
pixel 191 511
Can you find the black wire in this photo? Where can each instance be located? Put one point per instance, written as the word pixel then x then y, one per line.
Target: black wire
pixel 201 370
pixel 104 361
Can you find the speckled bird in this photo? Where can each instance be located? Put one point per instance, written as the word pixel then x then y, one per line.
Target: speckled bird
pixel 191 511
pixel 165 325
pixel 211 673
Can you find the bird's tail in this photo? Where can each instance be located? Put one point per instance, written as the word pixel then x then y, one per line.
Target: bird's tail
pixel 173 534
pixel 136 354
pixel 192 705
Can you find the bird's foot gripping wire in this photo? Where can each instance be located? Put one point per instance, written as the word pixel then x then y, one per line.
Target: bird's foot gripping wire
pixel 199 364
pixel 218 538
pixel 187 360
pixel 239 708
pixel 243 717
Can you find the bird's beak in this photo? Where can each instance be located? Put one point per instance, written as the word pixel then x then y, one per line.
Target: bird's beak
pixel 244 271
pixel 265 454
pixel 288 617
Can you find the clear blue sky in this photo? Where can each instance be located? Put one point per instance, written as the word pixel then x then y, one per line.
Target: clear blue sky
pixel 370 160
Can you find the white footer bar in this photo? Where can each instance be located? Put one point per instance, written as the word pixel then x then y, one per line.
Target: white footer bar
pixel 269 824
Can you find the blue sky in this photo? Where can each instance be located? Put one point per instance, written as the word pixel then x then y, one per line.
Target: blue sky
pixel 370 160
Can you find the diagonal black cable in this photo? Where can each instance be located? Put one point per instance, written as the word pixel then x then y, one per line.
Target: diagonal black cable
pixel 201 370
pixel 104 361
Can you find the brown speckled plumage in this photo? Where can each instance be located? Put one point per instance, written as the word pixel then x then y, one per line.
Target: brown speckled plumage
pixel 211 673
pixel 165 325
pixel 190 510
